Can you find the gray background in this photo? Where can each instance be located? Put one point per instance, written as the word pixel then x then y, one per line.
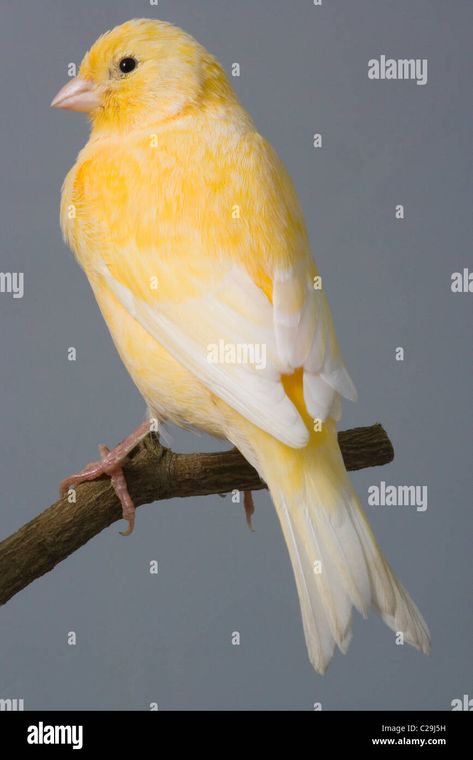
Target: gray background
pixel 167 638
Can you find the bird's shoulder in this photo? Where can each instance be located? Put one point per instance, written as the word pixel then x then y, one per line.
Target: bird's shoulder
pixel 213 180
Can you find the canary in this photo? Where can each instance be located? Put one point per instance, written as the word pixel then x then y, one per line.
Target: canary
pixel 190 232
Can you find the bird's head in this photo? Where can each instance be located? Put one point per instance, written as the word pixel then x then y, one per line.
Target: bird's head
pixel 144 70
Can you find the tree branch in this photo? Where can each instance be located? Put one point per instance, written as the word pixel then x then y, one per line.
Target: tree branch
pixel 153 472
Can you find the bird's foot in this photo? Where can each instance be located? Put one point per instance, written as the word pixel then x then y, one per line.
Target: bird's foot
pixel 111 464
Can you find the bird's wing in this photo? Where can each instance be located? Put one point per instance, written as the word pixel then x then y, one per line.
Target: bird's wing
pixel 231 336
pixel 232 299
pixel 225 337
pixel 305 338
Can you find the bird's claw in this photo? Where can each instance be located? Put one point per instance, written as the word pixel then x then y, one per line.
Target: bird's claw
pixel 111 464
pixel 249 505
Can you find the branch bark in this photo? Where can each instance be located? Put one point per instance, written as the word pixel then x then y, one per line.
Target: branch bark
pixel 153 473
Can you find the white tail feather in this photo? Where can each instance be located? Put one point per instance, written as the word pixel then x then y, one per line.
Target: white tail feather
pixel 336 561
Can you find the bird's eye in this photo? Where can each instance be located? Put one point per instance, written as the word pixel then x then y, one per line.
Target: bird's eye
pixel 127 64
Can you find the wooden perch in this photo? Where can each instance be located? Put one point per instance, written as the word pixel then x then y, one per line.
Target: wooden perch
pixel 153 472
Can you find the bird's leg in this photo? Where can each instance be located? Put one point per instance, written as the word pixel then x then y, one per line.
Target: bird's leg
pixel 249 505
pixel 111 464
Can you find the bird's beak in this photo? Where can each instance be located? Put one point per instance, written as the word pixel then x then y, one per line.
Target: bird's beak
pixel 77 95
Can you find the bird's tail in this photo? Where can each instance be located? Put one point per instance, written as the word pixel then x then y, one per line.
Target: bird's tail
pixel 335 557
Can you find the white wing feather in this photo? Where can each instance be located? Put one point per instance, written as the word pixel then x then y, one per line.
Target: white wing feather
pixel 293 331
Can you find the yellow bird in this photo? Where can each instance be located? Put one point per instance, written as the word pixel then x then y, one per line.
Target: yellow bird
pixel 190 232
